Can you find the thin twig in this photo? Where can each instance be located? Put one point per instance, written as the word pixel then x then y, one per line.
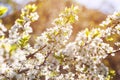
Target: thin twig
pixel 27 69
pixel 23 71
pixel 44 60
pixel 113 52
pixel 31 55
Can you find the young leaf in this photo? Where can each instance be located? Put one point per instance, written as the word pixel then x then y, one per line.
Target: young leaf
pixel 3 10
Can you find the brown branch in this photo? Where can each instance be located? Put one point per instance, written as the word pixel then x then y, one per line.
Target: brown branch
pixel 44 60
pixel 31 55
pixel 8 78
pixel 27 69
pixel 113 52
pixel 23 71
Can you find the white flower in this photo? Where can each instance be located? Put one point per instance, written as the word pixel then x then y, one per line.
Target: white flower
pixel 40 57
pixel 3 28
pixel 34 16
pixel 27 28
pixel 3 68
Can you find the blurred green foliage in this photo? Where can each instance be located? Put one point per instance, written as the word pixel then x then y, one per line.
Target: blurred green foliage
pixel 3 10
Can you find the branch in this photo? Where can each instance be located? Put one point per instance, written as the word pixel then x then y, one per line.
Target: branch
pixel 44 60
pixel 113 52
pixel 31 55
pixel 27 69
pixel 23 71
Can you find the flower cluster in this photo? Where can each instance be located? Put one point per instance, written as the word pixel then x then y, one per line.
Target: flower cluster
pixel 90 48
pixel 52 57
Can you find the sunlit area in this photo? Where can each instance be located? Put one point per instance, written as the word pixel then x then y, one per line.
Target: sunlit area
pixel 59 39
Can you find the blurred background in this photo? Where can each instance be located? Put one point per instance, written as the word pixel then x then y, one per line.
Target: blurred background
pixel 91 14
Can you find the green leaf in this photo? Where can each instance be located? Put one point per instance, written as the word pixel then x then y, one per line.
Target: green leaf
pixel 23 41
pixel 13 48
pixel 109 38
pixel 87 32
pixel 53 74
pixel 56 33
pixel 20 21
pixel 60 57
pixel 110 75
pixel 96 34
pixel 3 10
pixel 2 37
pixel 111 72
pixel 31 8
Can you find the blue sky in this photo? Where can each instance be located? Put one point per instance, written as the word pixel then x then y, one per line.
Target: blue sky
pixel 106 6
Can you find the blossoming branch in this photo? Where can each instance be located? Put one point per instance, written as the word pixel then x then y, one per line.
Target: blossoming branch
pixel 53 57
